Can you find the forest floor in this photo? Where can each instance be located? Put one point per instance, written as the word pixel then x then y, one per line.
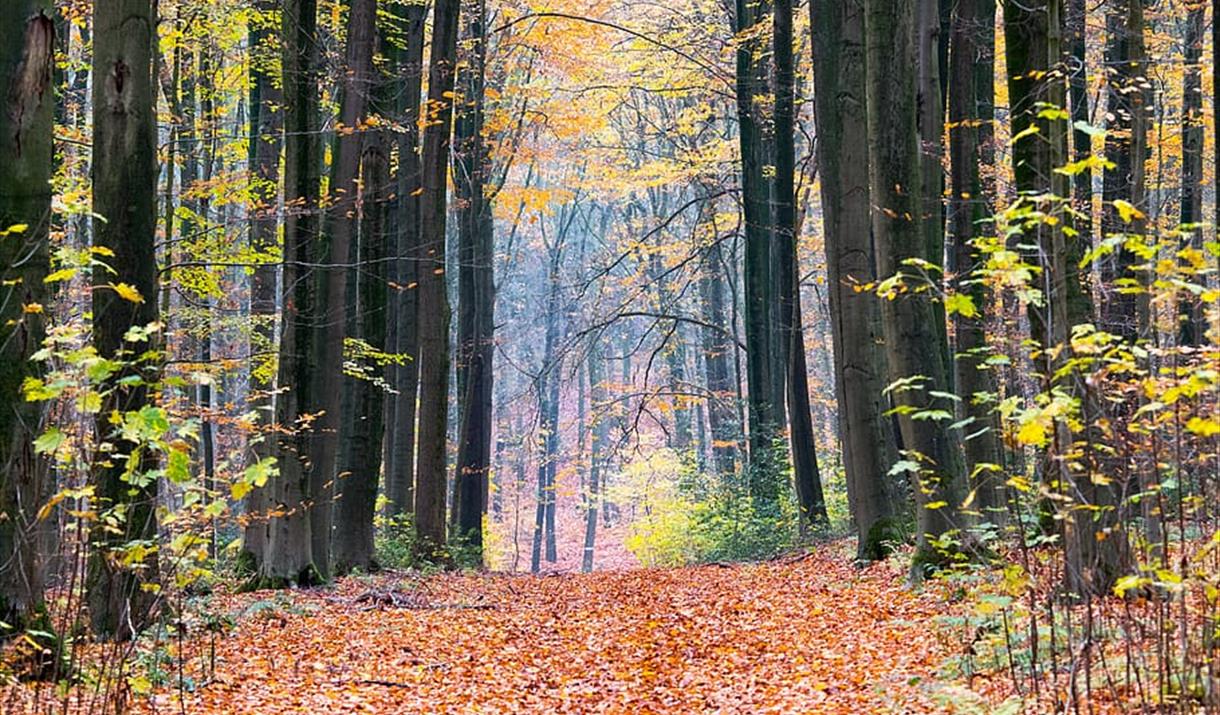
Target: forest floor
pixel 805 634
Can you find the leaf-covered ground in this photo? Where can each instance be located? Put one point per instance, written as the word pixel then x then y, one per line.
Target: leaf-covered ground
pixel 807 635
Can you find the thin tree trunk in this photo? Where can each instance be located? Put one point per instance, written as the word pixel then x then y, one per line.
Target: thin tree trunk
pixel 1192 325
pixel 27 53
pixel 811 501
pixel 718 347
pixel 597 447
pixel 266 130
pixel 1082 143
pixel 766 406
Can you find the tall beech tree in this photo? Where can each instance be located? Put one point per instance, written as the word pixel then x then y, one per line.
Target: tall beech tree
pixel 1190 314
pixel 971 42
pixel 914 344
pixel 27 56
pixel 431 481
pixel 796 376
pixel 404 46
pixel 766 394
pixel 266 142
pixel 859 363
pixel 289 557
pixel 355 229
pixel 124 174
pixel 476 287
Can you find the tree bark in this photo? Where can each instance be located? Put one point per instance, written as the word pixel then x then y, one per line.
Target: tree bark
pixel 430 490
pixel 598 442
pixel 975 382
pixel 27 58
pixel 718 348
pixel 1125 313
pixel 766 403
pixel 266 138
pixel 860 371
pixel 811 501
pixel 914 344
pixel 124 175
pixel 1192 324
pixel 289 558
pixel 361 455
pixel 407 61
pixel 476 287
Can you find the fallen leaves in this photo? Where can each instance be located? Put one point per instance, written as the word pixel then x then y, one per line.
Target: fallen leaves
pixel 812 635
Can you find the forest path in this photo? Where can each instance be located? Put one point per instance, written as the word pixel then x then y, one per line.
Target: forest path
pixel 812 634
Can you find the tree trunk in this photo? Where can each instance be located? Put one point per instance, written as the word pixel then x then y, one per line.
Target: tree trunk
pixel 766 405
pixel 408 21
pixel 1124 313
pixel 914 346
pixel 1082 142
pixel 431 479
pixel 124 174
pixel 289 558
pixel 597 447
pixel 1192 324
pixel 718 348
pixel 476 301
pixel 338 237
pixel 27 44
pixel 811 501
pixel 360 465
pixel 548 425
pixel 860 372
pixel 266 130
pixel 971 206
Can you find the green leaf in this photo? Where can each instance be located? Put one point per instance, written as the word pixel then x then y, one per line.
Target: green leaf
pixel 50 441
pixel 960 304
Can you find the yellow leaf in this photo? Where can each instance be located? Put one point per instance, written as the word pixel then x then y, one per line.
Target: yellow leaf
pixel 1127 211
pixel 127 292
pixel 61 275
pixel 1032 432
pixel 1203 427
